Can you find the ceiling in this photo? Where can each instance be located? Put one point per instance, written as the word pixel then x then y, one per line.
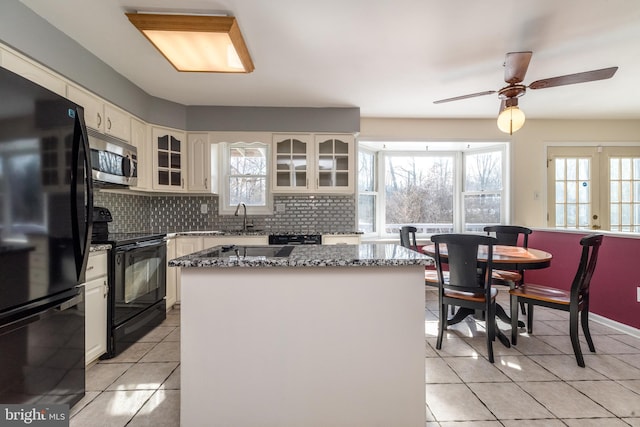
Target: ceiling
pixel 390 58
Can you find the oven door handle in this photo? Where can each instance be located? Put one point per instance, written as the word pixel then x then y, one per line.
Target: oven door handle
pixel 140 245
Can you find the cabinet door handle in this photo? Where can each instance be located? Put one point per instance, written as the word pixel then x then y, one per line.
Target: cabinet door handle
pixel 90 267
pixel 205 183
pixel 182 182
pixel 106 289
pixel 99 119
pixel 108 123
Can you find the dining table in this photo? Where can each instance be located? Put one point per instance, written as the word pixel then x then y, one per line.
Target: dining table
pixel 504 258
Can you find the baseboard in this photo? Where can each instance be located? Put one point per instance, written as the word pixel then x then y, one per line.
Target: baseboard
pixel 615 325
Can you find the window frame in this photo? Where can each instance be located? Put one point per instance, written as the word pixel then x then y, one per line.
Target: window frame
pixel 458 185
pixel 224 208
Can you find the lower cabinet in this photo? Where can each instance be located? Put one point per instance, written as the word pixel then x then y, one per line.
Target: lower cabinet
pixel 172 274
pixel 96 290
pixel 340 239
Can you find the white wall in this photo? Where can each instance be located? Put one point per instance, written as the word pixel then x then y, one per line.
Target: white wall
pixel 527 148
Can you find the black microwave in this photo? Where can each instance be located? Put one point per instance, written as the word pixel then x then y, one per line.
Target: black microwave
pixel 113 162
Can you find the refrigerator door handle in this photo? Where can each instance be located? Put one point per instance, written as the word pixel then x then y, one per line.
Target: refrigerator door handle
pixel 81 243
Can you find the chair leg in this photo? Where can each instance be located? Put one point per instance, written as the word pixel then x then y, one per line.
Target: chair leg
pixel 491 325
pixel 530 318
pixel 573 333
pixel 442 325
pixel 514 319
pixel 584 319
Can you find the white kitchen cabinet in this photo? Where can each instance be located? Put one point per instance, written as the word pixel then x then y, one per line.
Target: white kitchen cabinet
pixel 96 291
pixel 93 107
pixel 341 239
pixel 172 274
pixel 169 159
pixel 141 139
pixel 318 163
pixel 209 242
pixel 32 71
pixel 199 164
pixel 117 122
pixel 100 115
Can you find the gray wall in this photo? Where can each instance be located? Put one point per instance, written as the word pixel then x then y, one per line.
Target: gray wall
pixel 25 31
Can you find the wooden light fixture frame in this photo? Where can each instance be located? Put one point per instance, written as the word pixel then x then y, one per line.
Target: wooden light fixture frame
pixel 195 23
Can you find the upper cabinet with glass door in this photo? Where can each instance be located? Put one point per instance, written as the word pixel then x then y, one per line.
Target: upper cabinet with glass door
pixel 169 160
pixel 313 163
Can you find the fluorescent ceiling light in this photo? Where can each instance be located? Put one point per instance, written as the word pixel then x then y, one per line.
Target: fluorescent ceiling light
pixel 196 43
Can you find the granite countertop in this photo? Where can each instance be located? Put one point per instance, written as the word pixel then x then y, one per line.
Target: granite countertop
pixel 99 247
pixel 206 233
pixel 369 254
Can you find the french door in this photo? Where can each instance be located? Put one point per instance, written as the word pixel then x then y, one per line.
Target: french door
pixel 594 188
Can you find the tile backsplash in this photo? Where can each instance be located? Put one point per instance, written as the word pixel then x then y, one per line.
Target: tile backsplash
pixel 133 212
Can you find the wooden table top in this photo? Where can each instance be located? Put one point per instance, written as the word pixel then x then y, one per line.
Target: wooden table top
pixel 506 257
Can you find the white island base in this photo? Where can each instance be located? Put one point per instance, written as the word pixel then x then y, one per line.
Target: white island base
pixel 303 347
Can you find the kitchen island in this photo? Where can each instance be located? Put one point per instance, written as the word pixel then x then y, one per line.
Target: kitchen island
pixel 321 336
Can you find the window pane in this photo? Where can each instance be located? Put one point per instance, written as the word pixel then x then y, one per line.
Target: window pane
pixel 247 175
pixel 483 171
pixel 419 191
pixel 481 210
pixel 248 160
pixel 367 213
pixel 366 172
pixel 248 190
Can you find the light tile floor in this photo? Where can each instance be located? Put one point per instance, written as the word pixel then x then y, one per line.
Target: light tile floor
pixel 536 383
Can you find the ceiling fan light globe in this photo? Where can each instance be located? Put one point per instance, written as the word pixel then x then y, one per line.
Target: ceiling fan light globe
pixel 510 120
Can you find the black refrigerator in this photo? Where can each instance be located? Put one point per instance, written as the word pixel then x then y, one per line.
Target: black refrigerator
pixel 46 202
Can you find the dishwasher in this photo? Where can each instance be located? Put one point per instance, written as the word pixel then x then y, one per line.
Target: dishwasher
pixel 295 239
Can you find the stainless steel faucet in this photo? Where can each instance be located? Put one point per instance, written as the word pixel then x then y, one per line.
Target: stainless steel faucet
pixel 244 217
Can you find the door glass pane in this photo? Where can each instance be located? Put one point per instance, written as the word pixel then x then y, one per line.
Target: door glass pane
pixel 624 185
pixel 572 192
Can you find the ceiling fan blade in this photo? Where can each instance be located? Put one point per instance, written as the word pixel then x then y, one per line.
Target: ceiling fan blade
pixel 515 66
pixel 457 98
pixel 569 79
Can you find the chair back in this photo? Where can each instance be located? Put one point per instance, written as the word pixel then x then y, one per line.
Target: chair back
pixel 462 261
pixel 580 286
pixel 508 235
pixel 408 237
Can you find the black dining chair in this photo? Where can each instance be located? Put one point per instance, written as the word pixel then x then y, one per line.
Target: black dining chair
pixel 509 235
pixel 463 286
pixel 408 237
pixel 575 301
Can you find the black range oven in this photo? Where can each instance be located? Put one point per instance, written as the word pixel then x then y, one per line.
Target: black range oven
pixel 137 285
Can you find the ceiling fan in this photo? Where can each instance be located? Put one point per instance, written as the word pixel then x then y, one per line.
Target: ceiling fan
pixel 510 117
